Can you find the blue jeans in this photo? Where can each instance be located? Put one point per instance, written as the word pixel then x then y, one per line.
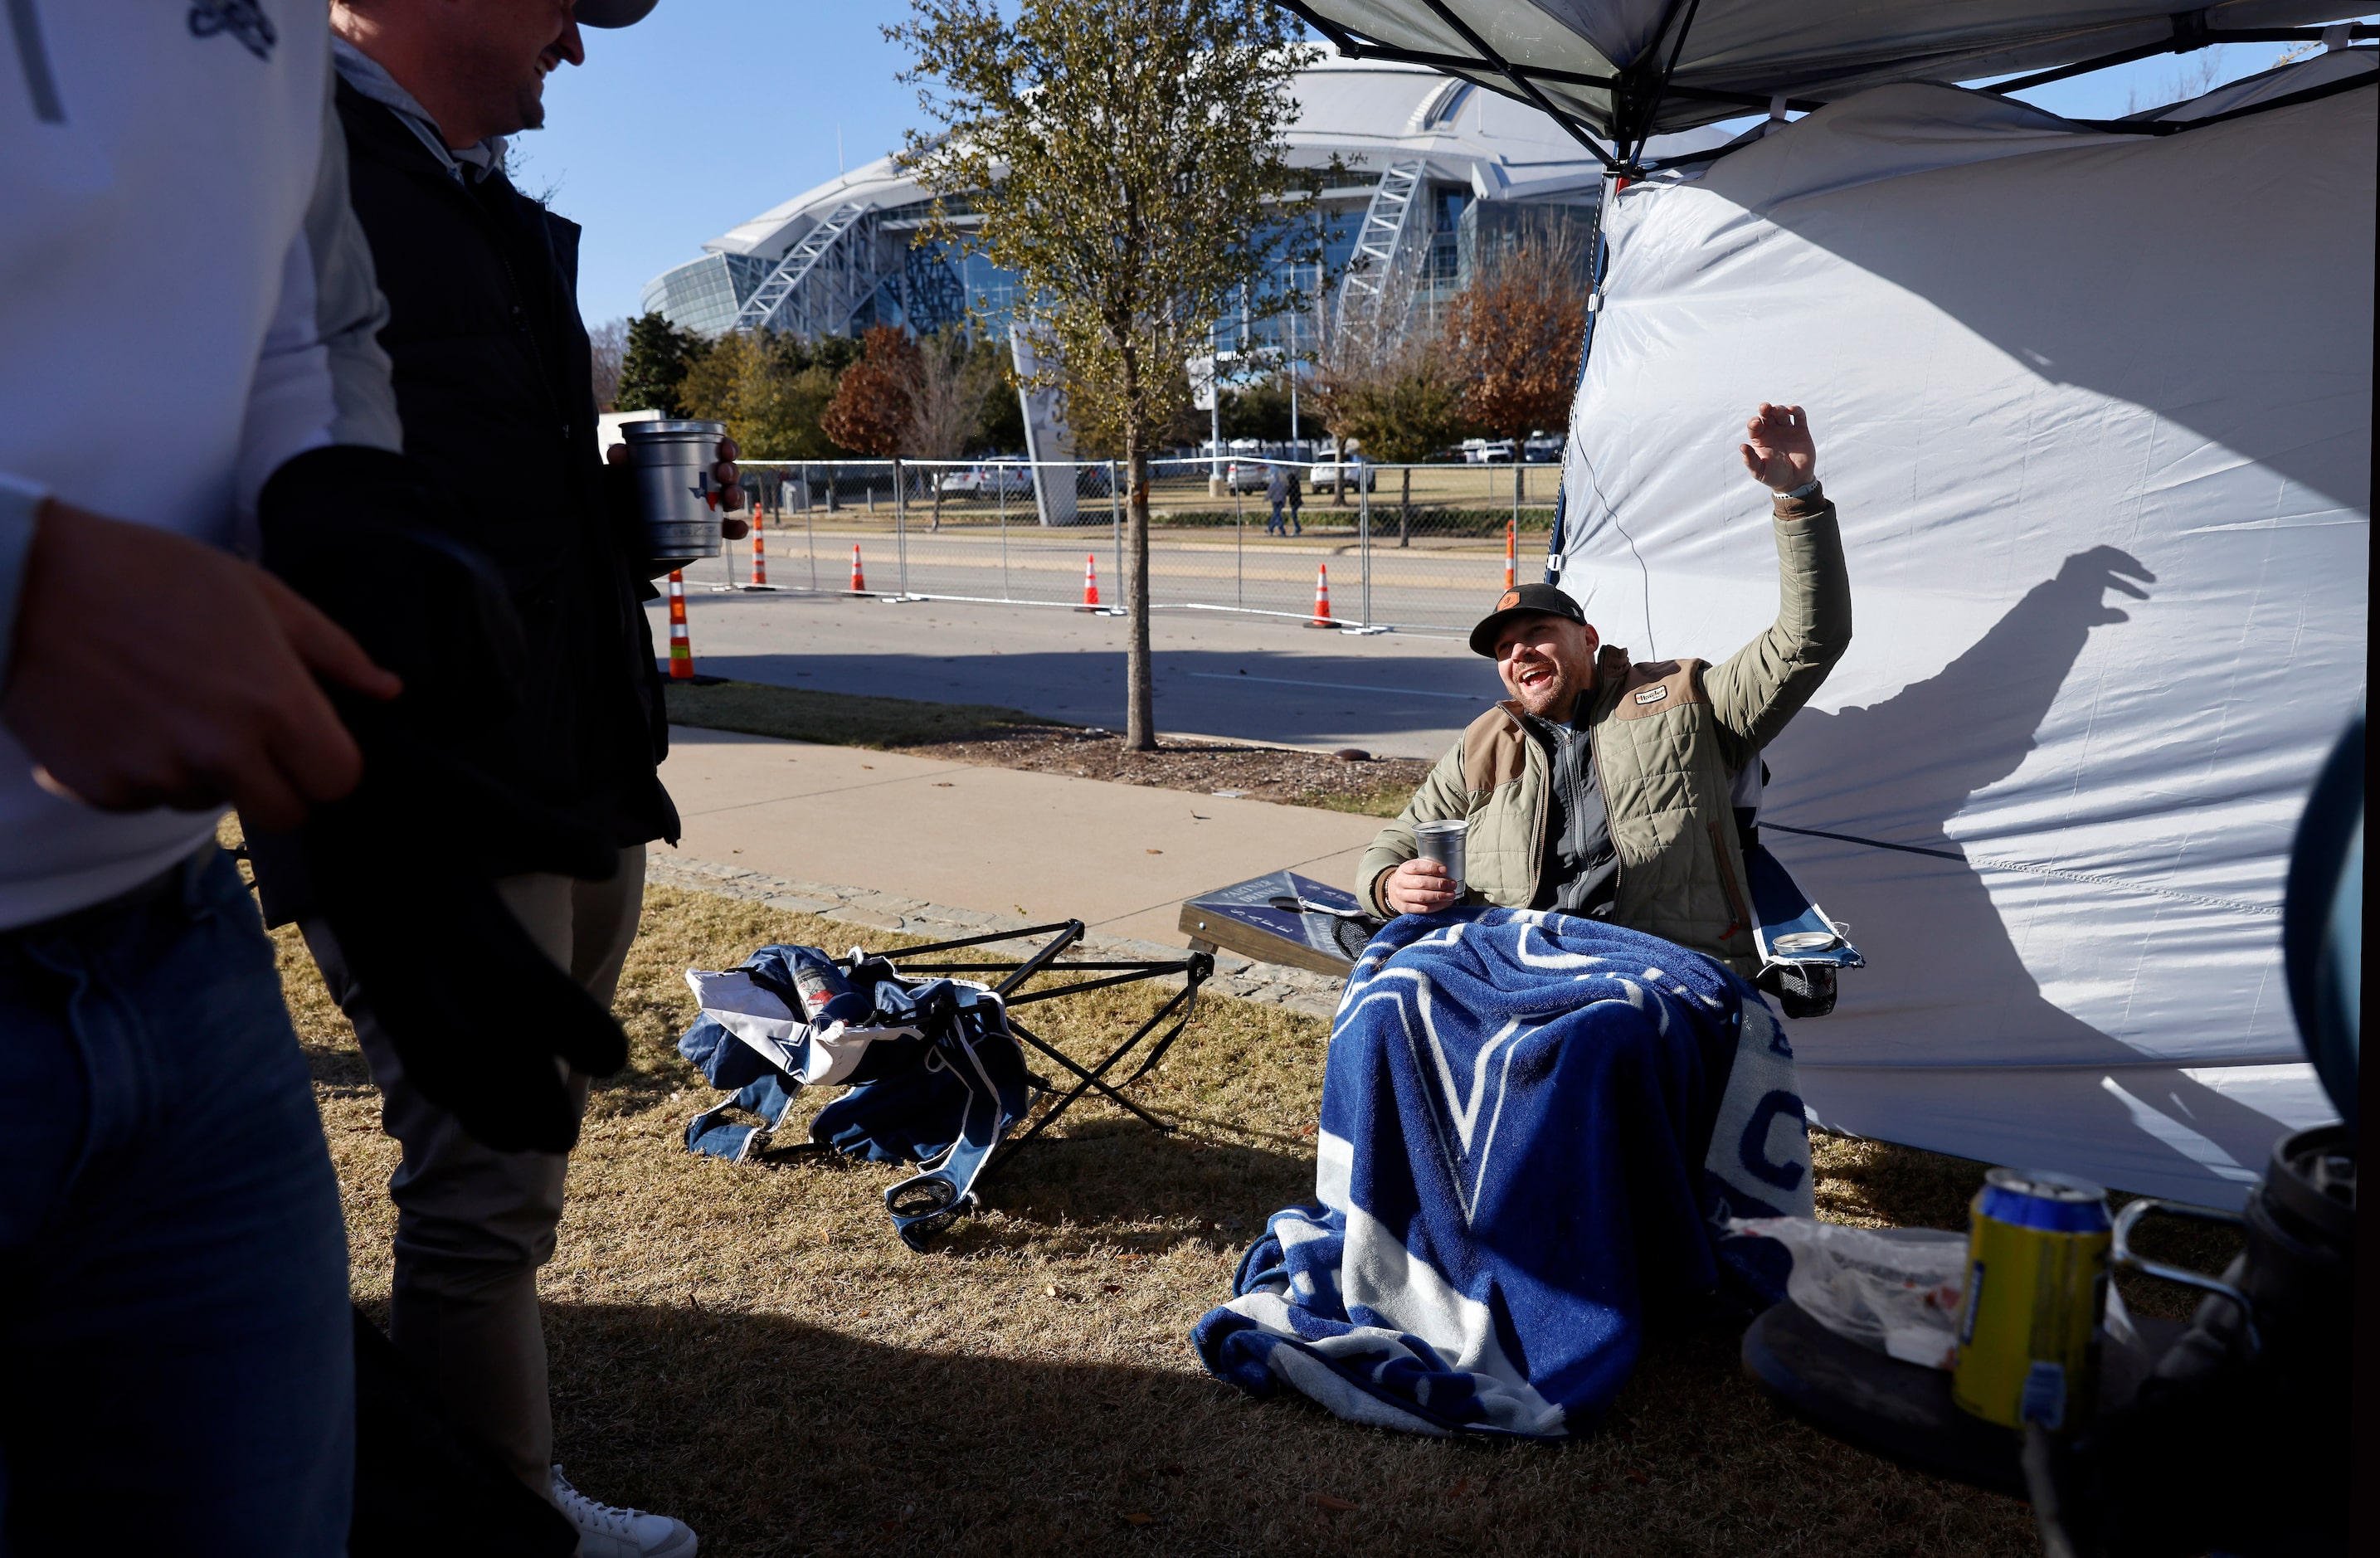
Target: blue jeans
pixel 177 1369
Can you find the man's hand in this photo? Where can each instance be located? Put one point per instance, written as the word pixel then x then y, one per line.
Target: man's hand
pixel 150 670
pixel 730 479
pixel 1419 887
pixel 1780 455
pixel 730 490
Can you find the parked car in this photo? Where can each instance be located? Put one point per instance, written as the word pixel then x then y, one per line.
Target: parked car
pixel 1543 448
pixel 1487 451
pixel 986 481
pixel 1358 474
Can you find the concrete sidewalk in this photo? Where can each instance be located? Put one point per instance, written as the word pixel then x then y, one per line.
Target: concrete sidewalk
pixel 1119 858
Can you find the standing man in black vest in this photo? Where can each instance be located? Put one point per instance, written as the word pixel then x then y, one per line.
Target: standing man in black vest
pixel 493 386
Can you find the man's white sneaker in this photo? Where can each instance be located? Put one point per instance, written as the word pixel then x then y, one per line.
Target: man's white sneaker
pixel 607 1532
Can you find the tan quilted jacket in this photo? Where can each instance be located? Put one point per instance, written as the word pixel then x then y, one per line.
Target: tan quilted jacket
pixel 1668 738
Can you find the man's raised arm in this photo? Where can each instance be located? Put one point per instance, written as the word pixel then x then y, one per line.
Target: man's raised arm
pixel 1755 690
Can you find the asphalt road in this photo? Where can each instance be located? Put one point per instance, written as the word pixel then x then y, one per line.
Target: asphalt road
pixel 1439 584
pixel 1251 679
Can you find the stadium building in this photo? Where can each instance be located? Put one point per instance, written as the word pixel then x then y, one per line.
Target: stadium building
pixel 1435 168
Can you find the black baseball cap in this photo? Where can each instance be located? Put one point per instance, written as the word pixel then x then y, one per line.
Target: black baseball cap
pixel 612 13
pixel 1527 600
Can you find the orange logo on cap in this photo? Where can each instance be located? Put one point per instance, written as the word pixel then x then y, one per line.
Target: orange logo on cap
pixel 1510 598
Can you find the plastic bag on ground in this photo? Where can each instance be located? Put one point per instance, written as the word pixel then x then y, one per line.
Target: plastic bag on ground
pixel 1897 1291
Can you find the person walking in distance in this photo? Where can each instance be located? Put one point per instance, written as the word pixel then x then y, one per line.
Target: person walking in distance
pixel 1276 493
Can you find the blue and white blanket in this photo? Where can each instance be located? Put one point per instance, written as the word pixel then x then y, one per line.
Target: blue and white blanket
pixel 1532 1128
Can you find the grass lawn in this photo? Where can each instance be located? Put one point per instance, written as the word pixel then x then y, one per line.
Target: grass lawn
pixel 750 1348
pixel 834 719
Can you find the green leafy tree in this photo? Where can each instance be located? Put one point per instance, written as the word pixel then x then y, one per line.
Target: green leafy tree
pixel 999 420
pixel 768 390
pixel 655 364
pixel 1260 411
pixel 1127 160
pixel 1406 413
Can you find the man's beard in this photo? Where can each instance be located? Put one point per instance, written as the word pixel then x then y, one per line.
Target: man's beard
pixel 1555 692
pixel 529 105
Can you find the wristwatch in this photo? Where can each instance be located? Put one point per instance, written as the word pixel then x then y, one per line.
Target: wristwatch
pixel 1804 490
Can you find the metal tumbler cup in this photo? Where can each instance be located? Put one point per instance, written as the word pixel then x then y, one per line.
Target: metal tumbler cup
pixel 676 494
pixel 1442 841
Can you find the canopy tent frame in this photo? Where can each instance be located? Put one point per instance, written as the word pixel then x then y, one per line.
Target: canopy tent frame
pixel 1638 90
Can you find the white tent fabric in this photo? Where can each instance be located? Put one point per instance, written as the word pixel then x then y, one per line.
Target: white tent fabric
pixel 2097 411
pixel 1810 48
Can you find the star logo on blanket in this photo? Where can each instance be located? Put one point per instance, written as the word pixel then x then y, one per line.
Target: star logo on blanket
pixel 1532 1128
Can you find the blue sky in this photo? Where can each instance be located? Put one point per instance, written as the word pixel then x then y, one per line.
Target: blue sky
pixel 712 111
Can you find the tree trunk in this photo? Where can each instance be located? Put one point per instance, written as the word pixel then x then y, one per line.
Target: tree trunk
pixel 1140 674
pixel 1405 511
pixel 1339 482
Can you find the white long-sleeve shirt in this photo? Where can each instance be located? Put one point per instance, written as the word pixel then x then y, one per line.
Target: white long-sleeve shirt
pixel 186 302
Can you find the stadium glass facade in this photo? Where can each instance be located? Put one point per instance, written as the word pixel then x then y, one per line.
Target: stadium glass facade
pixel 1425 174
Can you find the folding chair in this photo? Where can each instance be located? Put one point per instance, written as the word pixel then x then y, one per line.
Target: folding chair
pixel 1195 968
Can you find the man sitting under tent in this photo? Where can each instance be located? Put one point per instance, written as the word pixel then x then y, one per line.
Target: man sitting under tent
pixel 1602 788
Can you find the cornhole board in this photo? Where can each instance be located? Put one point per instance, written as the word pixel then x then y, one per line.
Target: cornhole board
pixel 1261 918
pixel 1284 917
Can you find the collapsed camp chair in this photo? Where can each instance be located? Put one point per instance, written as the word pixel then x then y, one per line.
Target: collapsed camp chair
pixel 936 1068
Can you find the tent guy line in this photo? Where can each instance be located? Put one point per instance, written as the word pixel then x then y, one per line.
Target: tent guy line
pixel 2028 868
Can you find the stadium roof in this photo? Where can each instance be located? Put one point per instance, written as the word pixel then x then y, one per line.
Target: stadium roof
pixel 1368 112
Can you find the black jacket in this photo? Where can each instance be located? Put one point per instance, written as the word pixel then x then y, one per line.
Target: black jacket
pixel 492 385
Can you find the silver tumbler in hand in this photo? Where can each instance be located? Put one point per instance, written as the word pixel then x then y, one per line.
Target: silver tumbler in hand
pixel 1442 841
pixel 676 495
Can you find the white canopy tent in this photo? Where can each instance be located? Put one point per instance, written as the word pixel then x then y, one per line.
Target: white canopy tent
pixel 2096 412
pixel 1619 71
pixel 2095 402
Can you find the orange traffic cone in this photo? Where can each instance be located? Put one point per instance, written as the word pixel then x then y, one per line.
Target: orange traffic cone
pixel 1090 583
pixel 858 580
pixel 1511 553
pixel 1322 597
pixel 680 646
pixel 759 560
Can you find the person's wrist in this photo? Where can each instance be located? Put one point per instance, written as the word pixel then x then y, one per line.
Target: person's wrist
pixel 1797 493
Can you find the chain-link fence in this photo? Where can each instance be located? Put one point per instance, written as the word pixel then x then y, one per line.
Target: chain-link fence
pixel 1418 547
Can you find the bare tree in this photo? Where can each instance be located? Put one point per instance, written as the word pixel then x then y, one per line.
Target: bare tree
pixel 608 348
pixel 1407 410
pixel 946 402
pixel 1513 332
pixel 1363 351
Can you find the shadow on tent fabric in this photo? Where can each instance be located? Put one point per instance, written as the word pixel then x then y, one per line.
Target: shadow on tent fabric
pixel 1906 768
pixel 2174 315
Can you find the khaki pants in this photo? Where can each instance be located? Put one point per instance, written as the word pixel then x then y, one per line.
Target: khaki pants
pixel 473 1224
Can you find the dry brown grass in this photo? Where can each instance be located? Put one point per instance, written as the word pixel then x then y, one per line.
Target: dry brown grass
pixel 752 1349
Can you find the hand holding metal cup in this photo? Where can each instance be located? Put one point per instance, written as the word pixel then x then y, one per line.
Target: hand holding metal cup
pixel 1434 881
pixel 686 481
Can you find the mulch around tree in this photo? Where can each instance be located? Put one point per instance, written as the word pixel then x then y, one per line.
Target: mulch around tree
pixel 1370 785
